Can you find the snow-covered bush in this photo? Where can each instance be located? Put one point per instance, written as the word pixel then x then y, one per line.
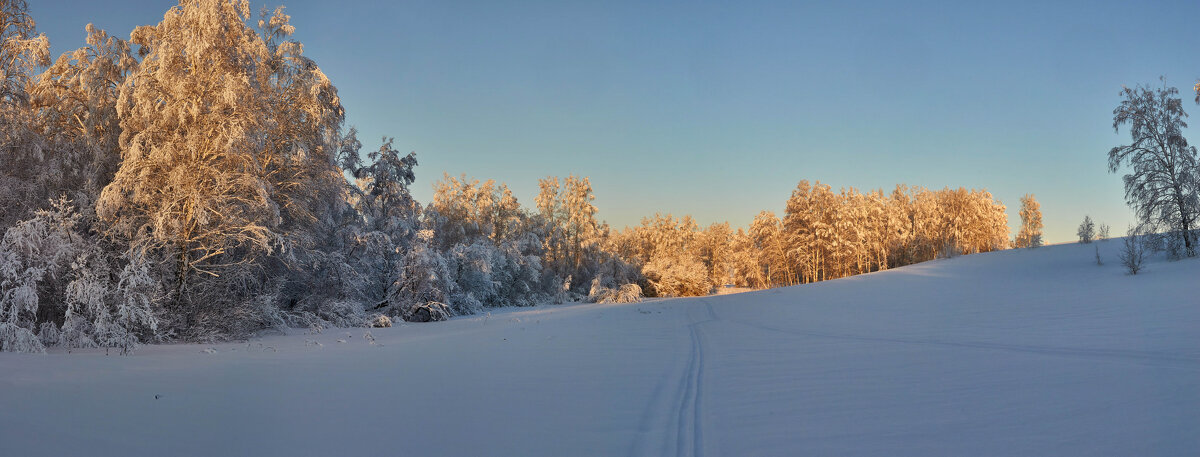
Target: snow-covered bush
pixel 627 293
pixel 473 267
pixel 517 268
pixel 34 256
pixel 101 313
pixel 70 289
pixel 1133 253
pixel 426 277
pixel 426 312
pixel 683 277
pixel 380 321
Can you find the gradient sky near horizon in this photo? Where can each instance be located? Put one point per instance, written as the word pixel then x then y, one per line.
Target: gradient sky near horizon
pixel 718 109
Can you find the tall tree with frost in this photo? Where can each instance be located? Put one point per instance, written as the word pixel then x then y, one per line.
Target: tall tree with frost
pixel 767 238
pixel 1030 235
pixel 76 103
pixel 224 133
pixel 582 228
pixel 714 245
pixel 22 53
pixel 1162 187
pixel 389 216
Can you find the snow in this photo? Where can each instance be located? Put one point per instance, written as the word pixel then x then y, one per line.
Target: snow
pixel 1021 352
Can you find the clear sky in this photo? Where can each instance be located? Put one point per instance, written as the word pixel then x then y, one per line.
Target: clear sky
pixel 718 109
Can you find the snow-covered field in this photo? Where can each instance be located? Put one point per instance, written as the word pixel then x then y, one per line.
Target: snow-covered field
pixel 1033 352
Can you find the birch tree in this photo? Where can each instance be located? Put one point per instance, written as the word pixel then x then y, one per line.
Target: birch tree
pixel 23 52
pixel 1162 185
pixel 1030 235
pixel 228 152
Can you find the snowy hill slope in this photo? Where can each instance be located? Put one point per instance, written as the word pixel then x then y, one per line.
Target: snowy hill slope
pixel 1031 352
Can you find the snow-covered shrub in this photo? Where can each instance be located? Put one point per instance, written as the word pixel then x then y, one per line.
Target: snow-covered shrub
pixel 34 255
pixel 237 304
pixel 15 338
pixel 426 312
pixel 627 293
pixel 517 270
pixel 341 313
pixel 426 277
pixel 1133 253
pixel 472 265
pixel 323 286
pixel 381 321
pixel 49 334
pixel 683 277
pixel 68 287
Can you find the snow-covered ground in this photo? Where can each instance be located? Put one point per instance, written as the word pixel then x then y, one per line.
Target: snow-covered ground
pixel 1032 352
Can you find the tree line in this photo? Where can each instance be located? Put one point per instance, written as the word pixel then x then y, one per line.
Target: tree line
pixel 197 182
pixel 822 235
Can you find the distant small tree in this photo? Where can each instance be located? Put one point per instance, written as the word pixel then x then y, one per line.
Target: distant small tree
pixel 1030 235
pixel 1134 252
pixel 1087 230
pixel 1102 234
pixel 1162 188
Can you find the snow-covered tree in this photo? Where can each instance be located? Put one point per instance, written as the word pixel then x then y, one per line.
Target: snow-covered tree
pixel 22 53
pixel 426 277
pixel 22 50
pixel 1163 185
pixel 1030 235
pixel 768 241
pixel 229 143
pixel 76 104
pixel 193 177
pixel 713 248
pixel 1086 230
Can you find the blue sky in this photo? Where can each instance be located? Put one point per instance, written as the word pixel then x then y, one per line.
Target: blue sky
pixel 719 109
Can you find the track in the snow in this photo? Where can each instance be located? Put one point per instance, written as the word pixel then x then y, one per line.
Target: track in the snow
pixel 684 409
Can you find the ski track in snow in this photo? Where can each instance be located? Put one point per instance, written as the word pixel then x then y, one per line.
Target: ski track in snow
pixel 684 411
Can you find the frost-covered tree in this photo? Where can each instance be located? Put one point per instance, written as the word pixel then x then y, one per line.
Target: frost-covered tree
pixel 767 238
pixel 670 252
pixel 582 228
pixel 572 232
pixel 426 278
pixel 22 53
pixel 76 104
pixel 22 50
pixel 388 217
pixel 1030 235
pixel 1086 230
pixel 193 177
pixel 1162 185
pixel 229 148
pixel 714 249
